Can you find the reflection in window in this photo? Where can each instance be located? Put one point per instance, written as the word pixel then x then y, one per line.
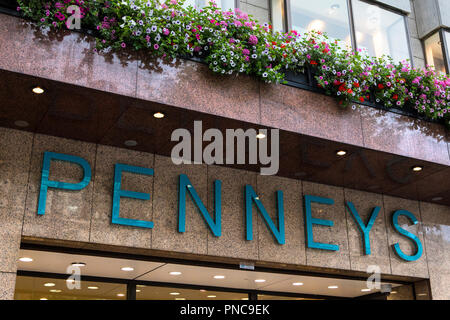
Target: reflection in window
pixel 434 52
pixel 272 297
pixel 144 292
pixel 380 31
pixel 322 15
pixel 36 288
pixel 447 40
pixel 277 15
pixel 223 4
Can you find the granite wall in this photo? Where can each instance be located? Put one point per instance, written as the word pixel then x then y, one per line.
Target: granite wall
pixel 84 216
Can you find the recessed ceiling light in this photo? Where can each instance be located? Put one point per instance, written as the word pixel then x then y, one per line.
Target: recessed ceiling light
pixel 175 273
pixel 422 294
pixel 37 90
pixel 70 280
pixel 341 153
pixel 211 296
pixel 49 284
pixel 93 288
pixel 43 299
pixel 26 259
pixel 365 290
pixel 131 143
pixel 260 135
pixel 244 298
pixel 437 199
pixel 174 293
pixel 158 115
pixel 121 295
pixel 417 168
pixel 219 277
pixel 127 269
pixel 394 292
pixel 138 290
pixel 297 283
pixel 202 290
pixel 180 298
pixel 260 280
pixel 21 123
pixel 333 287
pixel 55 290
pixel 78 264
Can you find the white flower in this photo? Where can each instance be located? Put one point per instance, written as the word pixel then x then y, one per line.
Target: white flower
pixel 265 75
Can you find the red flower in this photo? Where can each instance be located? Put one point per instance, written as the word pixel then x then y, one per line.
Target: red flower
pixel 342 87
pixel 313 62
pixel 326 50
pixel 380 86
pixel 395 97
pixel 361 99
pixel 350 91
pixel 356 84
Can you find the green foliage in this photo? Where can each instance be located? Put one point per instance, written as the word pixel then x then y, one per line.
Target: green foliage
pixel 234 43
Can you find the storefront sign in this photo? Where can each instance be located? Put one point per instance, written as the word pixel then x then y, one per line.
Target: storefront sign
pixel 251 198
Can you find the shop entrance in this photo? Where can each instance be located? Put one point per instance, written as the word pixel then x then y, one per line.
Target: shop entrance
pixel 49 273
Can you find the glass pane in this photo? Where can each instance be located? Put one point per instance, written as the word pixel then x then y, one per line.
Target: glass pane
pixel 322 15
pixel 224 4
pixel 34 288
pixel 447 38
pixel 144 292
pixel 380 32
pixel 277 15
pixel 259 9
pixel 434 52
pixel 402 293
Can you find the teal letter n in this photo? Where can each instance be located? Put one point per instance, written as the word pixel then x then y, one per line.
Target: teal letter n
pixel 250 197
pixel 185 184
pixel 46 183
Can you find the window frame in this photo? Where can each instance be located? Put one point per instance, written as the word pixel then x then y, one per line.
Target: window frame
pixel 350 12
pixel 390 9
pixel 444 45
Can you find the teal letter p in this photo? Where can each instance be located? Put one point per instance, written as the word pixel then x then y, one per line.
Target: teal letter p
pixel 46 183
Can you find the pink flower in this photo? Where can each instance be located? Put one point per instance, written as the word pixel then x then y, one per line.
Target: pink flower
pixel 123 45
pixel 253 39
pixel 156 46
pixel 166 31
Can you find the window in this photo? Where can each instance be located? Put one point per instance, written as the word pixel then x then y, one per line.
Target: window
pixel 447 48
pixel 144 292
pixel 322 15
pixel 434 52
pixel 380 31
pixel 277 15
pixel 223 4
pixel 37 288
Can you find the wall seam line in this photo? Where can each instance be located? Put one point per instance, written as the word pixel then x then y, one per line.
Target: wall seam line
pixel 27 187
pixel 93 192
pixel 386 222
pixel 346 227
